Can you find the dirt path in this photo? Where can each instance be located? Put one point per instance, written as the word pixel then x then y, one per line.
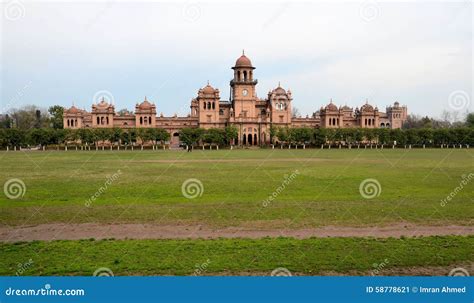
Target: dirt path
pixel 59 231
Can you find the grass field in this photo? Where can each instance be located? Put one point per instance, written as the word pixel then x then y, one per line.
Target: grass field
pixel 237 256
pixel 323 190
pixel 236 184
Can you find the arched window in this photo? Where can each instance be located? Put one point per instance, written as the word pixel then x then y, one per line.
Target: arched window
pixel 102 120
pixel 149 120
pixel 98 121
pixel 255 139
pixel 107 120
pixel 382 124
pixel 221 112
pixel 141 120
pixel 213 105
pixel 75 122
pixel 238 76
pixel 245 75
pixel 208 105
pixel 204 106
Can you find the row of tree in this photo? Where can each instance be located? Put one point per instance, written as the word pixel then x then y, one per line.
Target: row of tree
pixel 195 136
pixel 86 136
pixel 345 136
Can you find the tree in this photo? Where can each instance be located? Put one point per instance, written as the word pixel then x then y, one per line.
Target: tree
pixel 282 134
pixel 161 135
pixel 214 135
pixel 319 136
pixel 30 116
pixel 6 121
pixel 470 120
pixel 56 112
pixel 191 136
pixel 273 132
pixel 295 112
pixel 231 133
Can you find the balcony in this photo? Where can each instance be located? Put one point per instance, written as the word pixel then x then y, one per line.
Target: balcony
pixel 252 82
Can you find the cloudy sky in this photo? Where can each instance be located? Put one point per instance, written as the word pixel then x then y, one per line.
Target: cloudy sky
pixel 63 52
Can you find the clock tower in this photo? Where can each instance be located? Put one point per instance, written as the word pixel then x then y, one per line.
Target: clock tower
pixel 242 88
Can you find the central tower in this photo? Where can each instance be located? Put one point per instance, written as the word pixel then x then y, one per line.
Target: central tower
pixel 242 93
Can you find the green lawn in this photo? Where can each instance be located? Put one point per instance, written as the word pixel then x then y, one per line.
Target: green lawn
pixel 237 256
pixel 236 184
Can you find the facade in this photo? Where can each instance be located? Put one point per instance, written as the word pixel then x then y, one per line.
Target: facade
pixel 253 116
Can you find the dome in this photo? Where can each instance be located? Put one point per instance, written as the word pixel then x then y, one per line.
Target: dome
pixel 208 90
pixel 103 104
pixel 367 108
pixel 279 90
pixel 73 110
pixel 145 104
pixel 345 107
pixel 331 106
pixel 243 61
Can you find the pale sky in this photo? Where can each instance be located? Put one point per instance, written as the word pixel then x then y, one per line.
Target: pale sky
pixel 419 54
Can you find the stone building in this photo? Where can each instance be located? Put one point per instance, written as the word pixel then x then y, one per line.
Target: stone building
pixel 253 116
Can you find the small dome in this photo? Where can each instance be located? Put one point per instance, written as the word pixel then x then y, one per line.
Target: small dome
pixel 367 108
pixel 208 90
pixel 103 104
pixel 243 61
pixel 279 90
pixel 73 110
pixel 331 106
pixel 345 107
pixel 145 104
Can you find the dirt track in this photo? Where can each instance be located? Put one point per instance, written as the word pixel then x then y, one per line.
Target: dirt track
pixel 59 231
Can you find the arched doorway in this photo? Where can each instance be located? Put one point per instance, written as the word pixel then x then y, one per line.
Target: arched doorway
pixel 255 141
pixel 244 139
pixel 175 139
pixel 249 139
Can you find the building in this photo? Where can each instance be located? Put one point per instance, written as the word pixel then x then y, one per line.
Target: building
pixel 253 116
